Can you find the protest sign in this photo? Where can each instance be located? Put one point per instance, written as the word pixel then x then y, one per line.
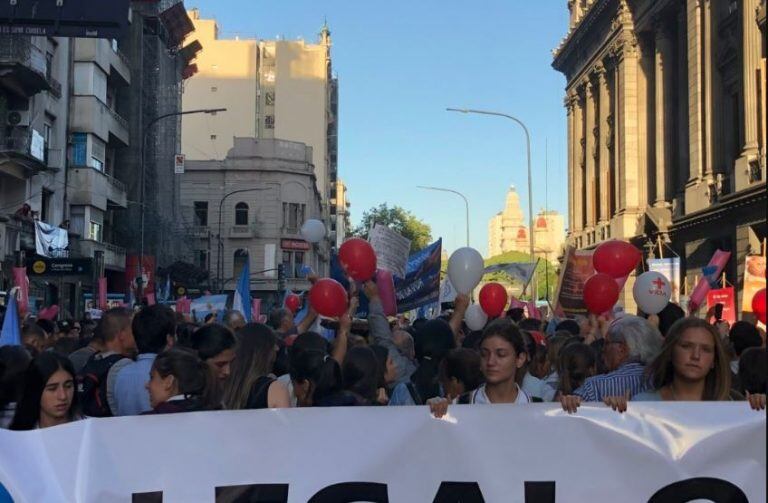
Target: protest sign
pixel 726 297
pixel 577 268
pixel 709 278
pixel 754 280
pixel 391 249
pixel 207 304
pixel 421 284
pixel 475 453
pixel 670 269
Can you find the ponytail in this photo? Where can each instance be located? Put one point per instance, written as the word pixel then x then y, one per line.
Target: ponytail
pixel 194 378
pixel 318 368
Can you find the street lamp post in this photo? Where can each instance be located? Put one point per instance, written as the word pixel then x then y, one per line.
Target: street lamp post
pixel 528 151
pixel 220 246
pixel 466 202
pixel 142 203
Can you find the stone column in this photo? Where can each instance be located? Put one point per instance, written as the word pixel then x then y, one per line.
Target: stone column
pixel 578 162
pixel 590 147
pixel 569 105
pixel 664 93
pixel 645 121
pixel 627 123
pixel 604 157
pixel 712 95
pixel 751 45
pixel 695 93
pixel 681 124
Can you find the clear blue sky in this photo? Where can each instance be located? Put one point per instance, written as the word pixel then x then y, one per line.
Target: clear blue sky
pixel 400 64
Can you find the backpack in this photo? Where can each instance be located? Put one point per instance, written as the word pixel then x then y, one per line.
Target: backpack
pixel 92 385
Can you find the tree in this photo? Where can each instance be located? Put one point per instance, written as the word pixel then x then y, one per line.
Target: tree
pixel 400 221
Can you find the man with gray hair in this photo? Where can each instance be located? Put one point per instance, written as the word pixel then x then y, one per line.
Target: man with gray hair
pixel 630 344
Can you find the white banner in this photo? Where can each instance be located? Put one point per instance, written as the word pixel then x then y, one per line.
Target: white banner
pixel 391 249
pixel 656 452
pixel 670 268
pixel 50 241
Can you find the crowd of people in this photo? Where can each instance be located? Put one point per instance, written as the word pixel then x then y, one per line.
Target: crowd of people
pixel 155 361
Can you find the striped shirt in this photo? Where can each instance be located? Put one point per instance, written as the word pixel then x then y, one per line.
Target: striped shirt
pixel 629 377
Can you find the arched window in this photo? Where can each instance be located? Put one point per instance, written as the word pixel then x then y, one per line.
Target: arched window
pixel 240 259
pixel 241 214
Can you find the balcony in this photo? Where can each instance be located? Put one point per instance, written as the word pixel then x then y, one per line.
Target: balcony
pixel 27 156
pixel 92 116
pixel 22 66
pixel 200 231
pixel 91 187
pixel 242 232
pixel 114 256
pixel 101 52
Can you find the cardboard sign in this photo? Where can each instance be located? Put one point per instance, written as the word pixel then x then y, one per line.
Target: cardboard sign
pixel 391 249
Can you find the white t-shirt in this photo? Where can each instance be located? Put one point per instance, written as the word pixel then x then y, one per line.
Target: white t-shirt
pixel 479 397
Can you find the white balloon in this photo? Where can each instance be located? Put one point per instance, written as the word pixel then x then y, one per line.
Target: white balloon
pixel 475 317
pixel 313 231
pixel 465 269
pixel 652 292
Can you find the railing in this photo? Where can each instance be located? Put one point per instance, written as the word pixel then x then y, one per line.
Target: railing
pixel 115 183
pixel 19 49
pixel 121 55
pixel 19 141
pixel 118 118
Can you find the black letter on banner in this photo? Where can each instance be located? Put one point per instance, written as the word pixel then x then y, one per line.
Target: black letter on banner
pixel 348 492
pixel 539 492
pixel 717 490
pixel 153 497
pixel 459 492
pixel 253 493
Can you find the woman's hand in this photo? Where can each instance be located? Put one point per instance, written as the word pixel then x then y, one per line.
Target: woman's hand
pixel 756 400
pixel 438 406
pixel 617 403
pixel 570 403
pixel 382 397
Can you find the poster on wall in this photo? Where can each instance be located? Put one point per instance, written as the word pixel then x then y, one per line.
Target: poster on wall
pixel 754 280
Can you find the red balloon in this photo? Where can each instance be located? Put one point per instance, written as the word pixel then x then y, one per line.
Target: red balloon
pixel 600 293
pixel 328 298
pixel 293 302
pixel 358 259
pixel 493 299
pixel 616 258
pixel 758 305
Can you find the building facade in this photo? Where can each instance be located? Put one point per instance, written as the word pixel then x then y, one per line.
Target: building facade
pixel 666 127
pixel 251 206
pixel 340 204
pixel 272 89
pixel 507 230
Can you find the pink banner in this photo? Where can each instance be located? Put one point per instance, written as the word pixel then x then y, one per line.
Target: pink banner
pixel 183 305
pixel 515 303
pixel 255 310
pixel 533 312
pixel 151 301
pixel 103 293
pixel 710 274
pixel 726 297
pixel 20 280
pixel 386 285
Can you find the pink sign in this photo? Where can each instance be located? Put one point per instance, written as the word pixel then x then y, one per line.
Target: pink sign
pixel 726 297
pixel 20 280
pixel 255 309
pixel 709 276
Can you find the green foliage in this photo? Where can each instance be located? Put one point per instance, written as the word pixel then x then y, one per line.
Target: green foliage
pixel 399 220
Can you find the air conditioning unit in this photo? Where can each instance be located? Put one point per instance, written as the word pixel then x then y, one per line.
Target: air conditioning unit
pixel 17 118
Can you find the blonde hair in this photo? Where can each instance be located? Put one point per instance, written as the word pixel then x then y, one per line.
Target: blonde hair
pixel 718 380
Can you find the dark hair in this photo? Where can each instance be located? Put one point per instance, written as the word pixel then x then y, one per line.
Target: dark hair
pixel 152 326
pixel 569 325
pixel 255 356
pixel 463 365
pixel 276 317
pixel 309 341
pixel 577 361
pixel 112 323
pixel 318 368
pixel 232 316
pixel 184 333
pixel 555 347
pixel 209 317
pixel 47 325
pixel 65 346
pixel 360 372
pixel 382 354
pixel 14 360
pixel 752 371
pixel 661 370
pixel 36 377
pixel 515 314
pixel 506 330
pixel 530 324
pixel 744 335
pixel 668 316
pixel 193 376
pixel 433 342
pixel 211 340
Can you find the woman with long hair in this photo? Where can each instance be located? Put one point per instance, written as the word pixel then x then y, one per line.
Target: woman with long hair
pixel 360 373
pixel 48 397
pixel 502 355
pixel 577 362
pixel 251 384
pixel 180 382
pixel 693 366
pixel 215 345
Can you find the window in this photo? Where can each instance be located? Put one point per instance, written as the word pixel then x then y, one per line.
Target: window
pixel 293 216
pixel 241 214
pixel 213 137
pixel 45 210
pixel 214 89
pixel 240 259
pixel 293 261
pixel 201 213
pixel 201 259
pixel 270 98
pixel 97 164
pixel 48 65
pixel 269 122
pixel 94 231
pixel 79 149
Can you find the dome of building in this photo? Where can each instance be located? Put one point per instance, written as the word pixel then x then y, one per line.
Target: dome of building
pixel 541 223
pixel 521 234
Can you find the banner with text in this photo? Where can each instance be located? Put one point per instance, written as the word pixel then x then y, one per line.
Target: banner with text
pixel 421 285
pixel 391 249
pixel 656 452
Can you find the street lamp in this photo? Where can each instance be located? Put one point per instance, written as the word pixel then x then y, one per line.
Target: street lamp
pixel 147 129
pixel 220 246
pixel 466 203
pixel 528 150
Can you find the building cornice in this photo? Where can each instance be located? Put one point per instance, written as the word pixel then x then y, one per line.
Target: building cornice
pixel 577 31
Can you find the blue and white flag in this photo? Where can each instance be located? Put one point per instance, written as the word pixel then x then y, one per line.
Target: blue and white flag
pixel 11 333
pixel 207 304
pixel 242 300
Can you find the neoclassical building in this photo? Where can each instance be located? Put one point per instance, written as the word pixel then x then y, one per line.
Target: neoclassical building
pixel 666 105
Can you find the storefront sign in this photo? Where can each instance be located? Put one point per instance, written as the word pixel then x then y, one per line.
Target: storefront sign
pixel 294 244
pixel 39 266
